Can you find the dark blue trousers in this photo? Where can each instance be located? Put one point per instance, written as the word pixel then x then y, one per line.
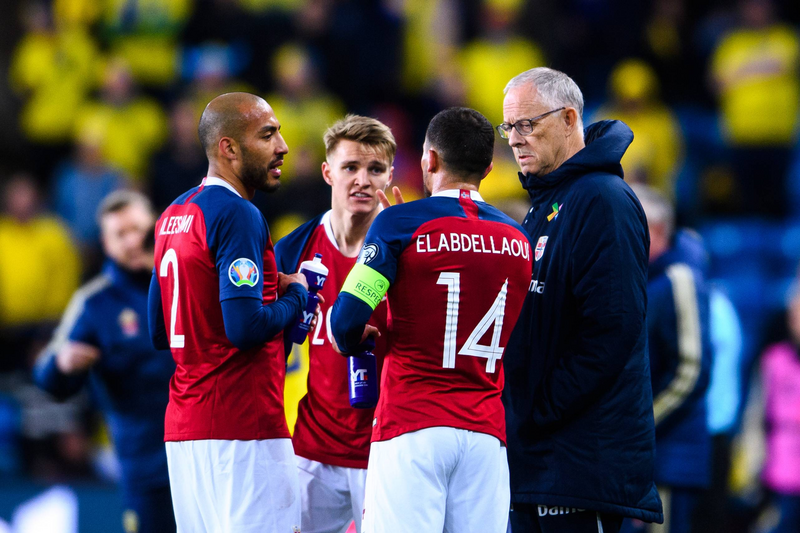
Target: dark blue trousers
pixel 148 510
pixel 679 507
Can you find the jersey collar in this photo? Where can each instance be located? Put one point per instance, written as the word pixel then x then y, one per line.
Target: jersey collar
pixel 326 223
pixel 213 180
pixel 455 193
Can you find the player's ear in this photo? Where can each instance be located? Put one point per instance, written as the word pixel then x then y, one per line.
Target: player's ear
pixel 326 173
pixel 488 169
pixel 228 148
pixel 391 175
pixel 433 161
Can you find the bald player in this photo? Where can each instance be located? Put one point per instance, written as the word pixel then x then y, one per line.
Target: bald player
pixel 219 304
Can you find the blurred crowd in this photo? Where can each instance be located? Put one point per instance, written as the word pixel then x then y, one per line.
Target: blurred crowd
pixel 107 95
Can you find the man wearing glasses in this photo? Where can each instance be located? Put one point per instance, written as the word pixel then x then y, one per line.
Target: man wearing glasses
pixel 578 397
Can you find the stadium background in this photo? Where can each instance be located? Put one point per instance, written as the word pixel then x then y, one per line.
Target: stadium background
pixel 103 94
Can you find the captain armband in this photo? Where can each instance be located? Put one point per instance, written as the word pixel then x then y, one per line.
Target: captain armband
pixel 366 284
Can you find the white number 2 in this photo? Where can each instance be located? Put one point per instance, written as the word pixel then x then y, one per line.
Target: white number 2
pixel 171 258
pixel 494 316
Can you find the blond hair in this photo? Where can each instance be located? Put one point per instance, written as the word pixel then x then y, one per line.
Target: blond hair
pixel 364 130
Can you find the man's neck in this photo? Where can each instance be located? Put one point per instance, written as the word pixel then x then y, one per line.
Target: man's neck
pixel 443 182
pixel 350 229
pixel 228 176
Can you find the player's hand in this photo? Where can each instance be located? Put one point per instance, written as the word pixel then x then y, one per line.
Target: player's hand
pixel 284 280
pixel 75 357
pixel 317 312
pixel 384 200
pixel 369 331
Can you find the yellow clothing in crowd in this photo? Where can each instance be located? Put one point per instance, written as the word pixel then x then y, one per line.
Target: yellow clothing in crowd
pixel 486 66
pixel 758 74
pixel 130 133
pixel 145 34
pixel 303 122
pixel 654 156
pixel 56 70
pixel 39 270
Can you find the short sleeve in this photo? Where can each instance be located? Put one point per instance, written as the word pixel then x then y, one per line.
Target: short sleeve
pixel 238 238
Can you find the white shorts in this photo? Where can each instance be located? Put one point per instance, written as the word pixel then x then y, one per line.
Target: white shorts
pixel 234 486
pixel 438 479
pixel 331 496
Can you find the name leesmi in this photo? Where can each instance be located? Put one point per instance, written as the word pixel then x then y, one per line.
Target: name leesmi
pixel 462 242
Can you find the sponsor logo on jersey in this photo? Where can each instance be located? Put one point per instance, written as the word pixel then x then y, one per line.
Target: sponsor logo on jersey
pixel 556 210
pixel 536 286
pixel 368 253
pixel 539 251
pixel 243 271
pixel 129 322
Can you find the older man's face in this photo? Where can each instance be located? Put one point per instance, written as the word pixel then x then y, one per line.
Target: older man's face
pixel 542 151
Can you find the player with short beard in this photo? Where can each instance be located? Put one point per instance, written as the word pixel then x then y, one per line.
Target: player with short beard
pixel 214 301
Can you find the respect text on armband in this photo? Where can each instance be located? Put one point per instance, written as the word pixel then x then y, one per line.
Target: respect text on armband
pixel 366 284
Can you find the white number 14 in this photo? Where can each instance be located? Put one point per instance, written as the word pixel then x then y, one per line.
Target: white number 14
pixel 494 316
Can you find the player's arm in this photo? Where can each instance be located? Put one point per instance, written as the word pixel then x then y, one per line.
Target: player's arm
pixel 249 323
pixel 681 381
pixel 609 264
pixel 366 284
pixel 287 255
pixel 62 367
pixel 155 316
pixel 238 238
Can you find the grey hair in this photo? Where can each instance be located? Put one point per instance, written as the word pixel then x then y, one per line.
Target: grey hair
pixel 555 88
pixel 657 208
pixel 119 200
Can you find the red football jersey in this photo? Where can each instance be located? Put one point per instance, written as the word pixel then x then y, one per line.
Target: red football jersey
pixel 328 429
pixel 458 272
pixel 211 245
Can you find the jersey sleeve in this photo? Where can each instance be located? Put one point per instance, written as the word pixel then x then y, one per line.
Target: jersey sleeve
pixel 237 238
pixel 369 280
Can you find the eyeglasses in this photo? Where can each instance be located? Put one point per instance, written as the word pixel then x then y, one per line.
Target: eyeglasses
pixel 524 126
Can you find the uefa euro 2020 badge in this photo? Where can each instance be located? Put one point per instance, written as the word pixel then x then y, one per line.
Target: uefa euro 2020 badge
pixel 243 271
pixel 128 322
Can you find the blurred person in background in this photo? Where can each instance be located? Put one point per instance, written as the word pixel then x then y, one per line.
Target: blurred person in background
pixel 132 126
pixel 307 110
pixel 780 375
pixel 145 35
pixel 680 362
pixel 79 185
pixel 654 156
pixel 497 55
pixel 39 270
pixel 103 340
pixel 53 68
pixel 181 163
pixel 723 401
pixel 755 70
